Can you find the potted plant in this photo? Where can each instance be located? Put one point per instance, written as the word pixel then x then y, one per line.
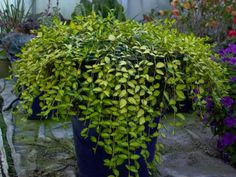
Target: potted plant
pixel 4 64
pixel 115 80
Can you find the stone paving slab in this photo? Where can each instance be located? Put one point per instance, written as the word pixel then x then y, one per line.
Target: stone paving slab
pixel 46 148
pixel 191 152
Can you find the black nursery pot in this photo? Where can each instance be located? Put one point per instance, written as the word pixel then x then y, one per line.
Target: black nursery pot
pixel 91 165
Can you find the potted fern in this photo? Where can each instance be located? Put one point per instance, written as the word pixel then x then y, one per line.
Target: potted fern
pixel 115 80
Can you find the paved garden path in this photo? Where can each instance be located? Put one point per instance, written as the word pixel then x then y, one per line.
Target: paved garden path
pixel 45 148
pixel 191 152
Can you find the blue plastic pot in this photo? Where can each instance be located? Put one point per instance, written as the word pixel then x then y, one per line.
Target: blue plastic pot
pixel 91 165
pixel 37 110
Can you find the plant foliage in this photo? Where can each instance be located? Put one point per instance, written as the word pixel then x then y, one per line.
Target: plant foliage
pixel 12 15
pixel 118 77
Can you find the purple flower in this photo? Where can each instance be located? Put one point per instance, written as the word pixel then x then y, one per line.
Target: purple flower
pixel 233 79
pixel 230 121
pixel 196 90
pixel 231 49
pixel 232 61
pixel 225 59
pixel 227 101
pixel 209 104
pixel 226 140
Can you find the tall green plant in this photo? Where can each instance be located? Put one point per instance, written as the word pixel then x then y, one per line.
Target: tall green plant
pixel 101 7
pixel 117 78
pixel 11 15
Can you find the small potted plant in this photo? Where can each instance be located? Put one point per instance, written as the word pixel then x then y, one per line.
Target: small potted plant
pixel 115 80
pixel 4 64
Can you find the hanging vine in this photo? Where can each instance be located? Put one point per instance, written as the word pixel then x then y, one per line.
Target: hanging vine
pixel 117 77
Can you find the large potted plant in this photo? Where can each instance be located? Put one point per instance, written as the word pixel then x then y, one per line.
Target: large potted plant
pixel 115 80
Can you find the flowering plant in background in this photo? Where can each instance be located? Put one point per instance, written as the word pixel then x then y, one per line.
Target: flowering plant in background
pixel 222 118
pixel 203 18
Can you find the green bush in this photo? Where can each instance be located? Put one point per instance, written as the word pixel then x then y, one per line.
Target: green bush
pixel 118 77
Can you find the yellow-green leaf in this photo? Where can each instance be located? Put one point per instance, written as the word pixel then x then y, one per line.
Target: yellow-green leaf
pixel 141 120
pixel 107 60
pixel 122 93
pixel 140 113
pixel 181 116
pixel 180 87
pixel 132 100
pixel 111 37
pixel 131 84
pixel 160 65
pixel 98 89
pixel 123 103
pixel 159 71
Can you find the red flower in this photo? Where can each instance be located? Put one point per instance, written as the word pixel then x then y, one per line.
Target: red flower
pixel 232 33
pixel 234 19
pixel 175 12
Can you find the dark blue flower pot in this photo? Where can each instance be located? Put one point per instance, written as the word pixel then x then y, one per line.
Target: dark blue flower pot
pixel 91 165
pixel 37 110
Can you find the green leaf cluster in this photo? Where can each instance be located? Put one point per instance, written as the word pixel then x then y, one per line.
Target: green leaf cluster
pixel 118 77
